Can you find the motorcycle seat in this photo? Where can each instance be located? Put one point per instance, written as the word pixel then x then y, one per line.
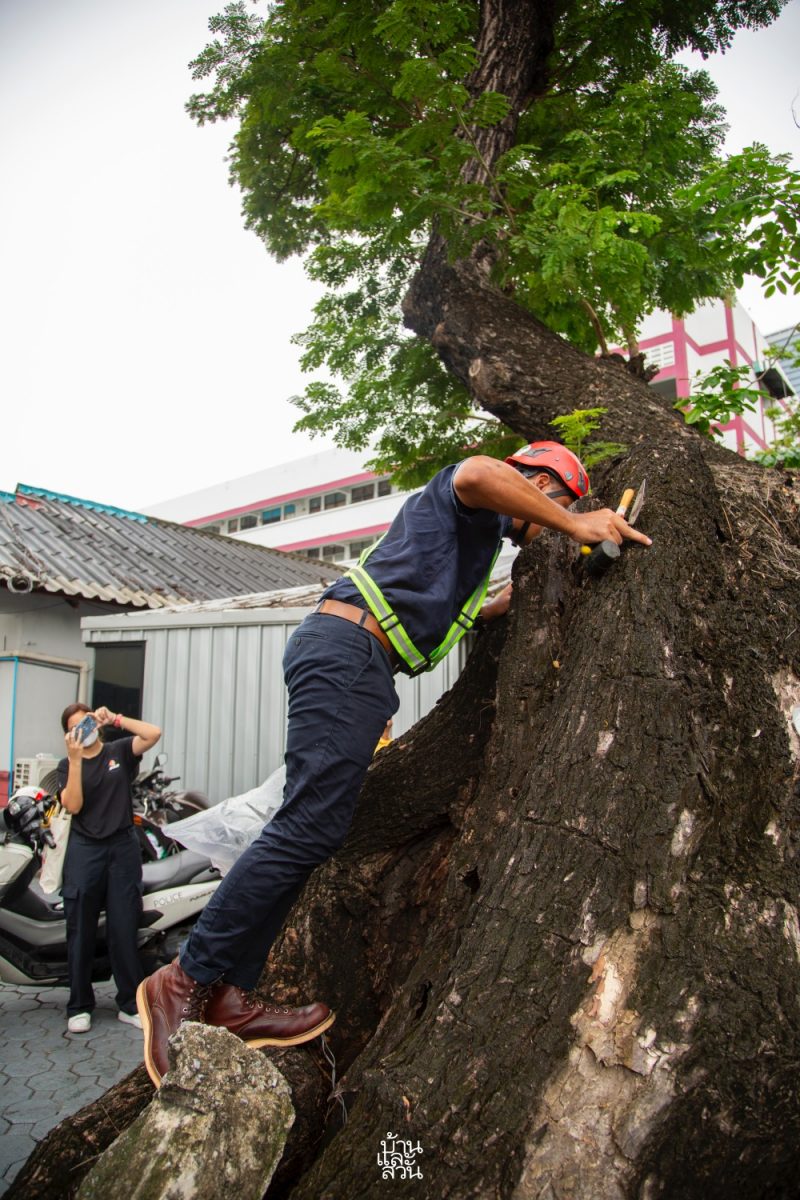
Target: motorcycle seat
pixel 173 870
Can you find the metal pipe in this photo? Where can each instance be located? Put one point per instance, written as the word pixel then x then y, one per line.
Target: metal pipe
pixel 13 719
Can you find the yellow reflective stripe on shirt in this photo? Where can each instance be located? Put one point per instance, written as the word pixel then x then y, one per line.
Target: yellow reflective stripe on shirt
pixel 387 618
pixel 466 618
pixel 391 625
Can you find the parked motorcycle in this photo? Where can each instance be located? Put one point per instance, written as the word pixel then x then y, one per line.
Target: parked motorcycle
pixel 33 936
pixel 156 805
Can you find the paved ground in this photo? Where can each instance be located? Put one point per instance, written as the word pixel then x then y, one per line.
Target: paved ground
pixel 47 1073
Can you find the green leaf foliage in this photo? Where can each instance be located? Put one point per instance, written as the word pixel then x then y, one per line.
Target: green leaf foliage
pixel 718 395
pixel 357 133
pixel 784 451
pixel 575 429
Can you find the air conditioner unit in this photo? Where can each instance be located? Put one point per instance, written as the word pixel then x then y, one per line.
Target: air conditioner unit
pixel 36 772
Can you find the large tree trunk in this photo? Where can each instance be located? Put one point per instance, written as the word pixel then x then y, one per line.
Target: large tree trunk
pixel 601 999
pixel 562 936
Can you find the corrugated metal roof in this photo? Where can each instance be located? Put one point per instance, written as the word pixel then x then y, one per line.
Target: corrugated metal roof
pixel 62 544
pixel 305 596
pixel 300 597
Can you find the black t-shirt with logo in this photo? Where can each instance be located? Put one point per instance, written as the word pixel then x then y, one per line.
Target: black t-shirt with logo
pixel 106 782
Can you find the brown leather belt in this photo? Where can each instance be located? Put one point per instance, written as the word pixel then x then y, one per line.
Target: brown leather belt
pixel 362 617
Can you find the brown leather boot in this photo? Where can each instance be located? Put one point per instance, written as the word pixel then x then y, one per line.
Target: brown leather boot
pixel 265 1024
pixel 164 1000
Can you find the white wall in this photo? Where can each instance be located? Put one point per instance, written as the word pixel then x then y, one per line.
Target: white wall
pixel 33 695
pixel 747 336
pixel 42 623
pixel 32 698
pixel 43 693
pixel 327 466
pixel 344 522
pixel 707 323
pixel 6 713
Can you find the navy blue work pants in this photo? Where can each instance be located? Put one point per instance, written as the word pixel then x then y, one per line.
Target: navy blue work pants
pixel 341 694
pixel 102 874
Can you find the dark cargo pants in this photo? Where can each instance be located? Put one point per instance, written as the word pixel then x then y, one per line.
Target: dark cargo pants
pixel 341 694
pixel 102 874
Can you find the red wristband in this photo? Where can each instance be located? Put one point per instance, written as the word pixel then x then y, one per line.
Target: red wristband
pixel 117 722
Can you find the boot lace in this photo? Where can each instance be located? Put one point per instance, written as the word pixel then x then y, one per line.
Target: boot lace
pixel 195 1007
pixel 249 1001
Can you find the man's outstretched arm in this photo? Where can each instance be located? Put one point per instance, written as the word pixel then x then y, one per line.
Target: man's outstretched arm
pixel 483 482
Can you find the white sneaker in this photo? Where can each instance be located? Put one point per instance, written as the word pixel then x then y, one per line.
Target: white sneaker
pixel 130 1019
pixel 80 1023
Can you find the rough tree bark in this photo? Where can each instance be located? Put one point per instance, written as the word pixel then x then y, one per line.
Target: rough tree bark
pixel 562 937
pixel 603 1000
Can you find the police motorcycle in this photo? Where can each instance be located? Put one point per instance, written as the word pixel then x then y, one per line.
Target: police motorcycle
pixel 33 935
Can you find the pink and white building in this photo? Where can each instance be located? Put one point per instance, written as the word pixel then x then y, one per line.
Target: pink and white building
pixel 682 347
pixel 325 506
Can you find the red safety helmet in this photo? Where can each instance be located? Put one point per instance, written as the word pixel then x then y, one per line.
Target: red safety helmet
pixel 554 457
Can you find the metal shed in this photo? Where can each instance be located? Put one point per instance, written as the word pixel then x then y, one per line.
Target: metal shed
pixel 213 681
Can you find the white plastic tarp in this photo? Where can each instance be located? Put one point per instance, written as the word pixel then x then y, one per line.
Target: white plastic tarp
pixel 225 831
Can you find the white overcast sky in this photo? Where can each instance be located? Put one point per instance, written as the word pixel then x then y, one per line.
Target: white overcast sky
pixel 145 335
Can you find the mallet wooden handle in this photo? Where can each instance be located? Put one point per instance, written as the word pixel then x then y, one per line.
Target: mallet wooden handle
pixel 622 508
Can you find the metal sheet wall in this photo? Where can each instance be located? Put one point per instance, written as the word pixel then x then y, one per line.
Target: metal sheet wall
pixel 217 691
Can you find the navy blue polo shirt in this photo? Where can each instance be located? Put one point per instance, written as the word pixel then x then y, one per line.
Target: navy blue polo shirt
pixel 433 556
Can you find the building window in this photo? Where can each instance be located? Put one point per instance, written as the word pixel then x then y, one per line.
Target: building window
pixel 333 553
pixel 364 491
pixel 335 499
pixel 249 522
pixel 270 515
pixel 358 548
pixel 662 355
pixel 667 387
pixel 119 679
pixel 384 487
pixel 211 529
pixel 311 552
pixel 233 525
pixel 289 510
pixel 315 504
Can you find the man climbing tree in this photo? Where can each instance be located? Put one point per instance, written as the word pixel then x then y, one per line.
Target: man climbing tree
pixel 574 994
pixel 563 927
pixel 404 607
